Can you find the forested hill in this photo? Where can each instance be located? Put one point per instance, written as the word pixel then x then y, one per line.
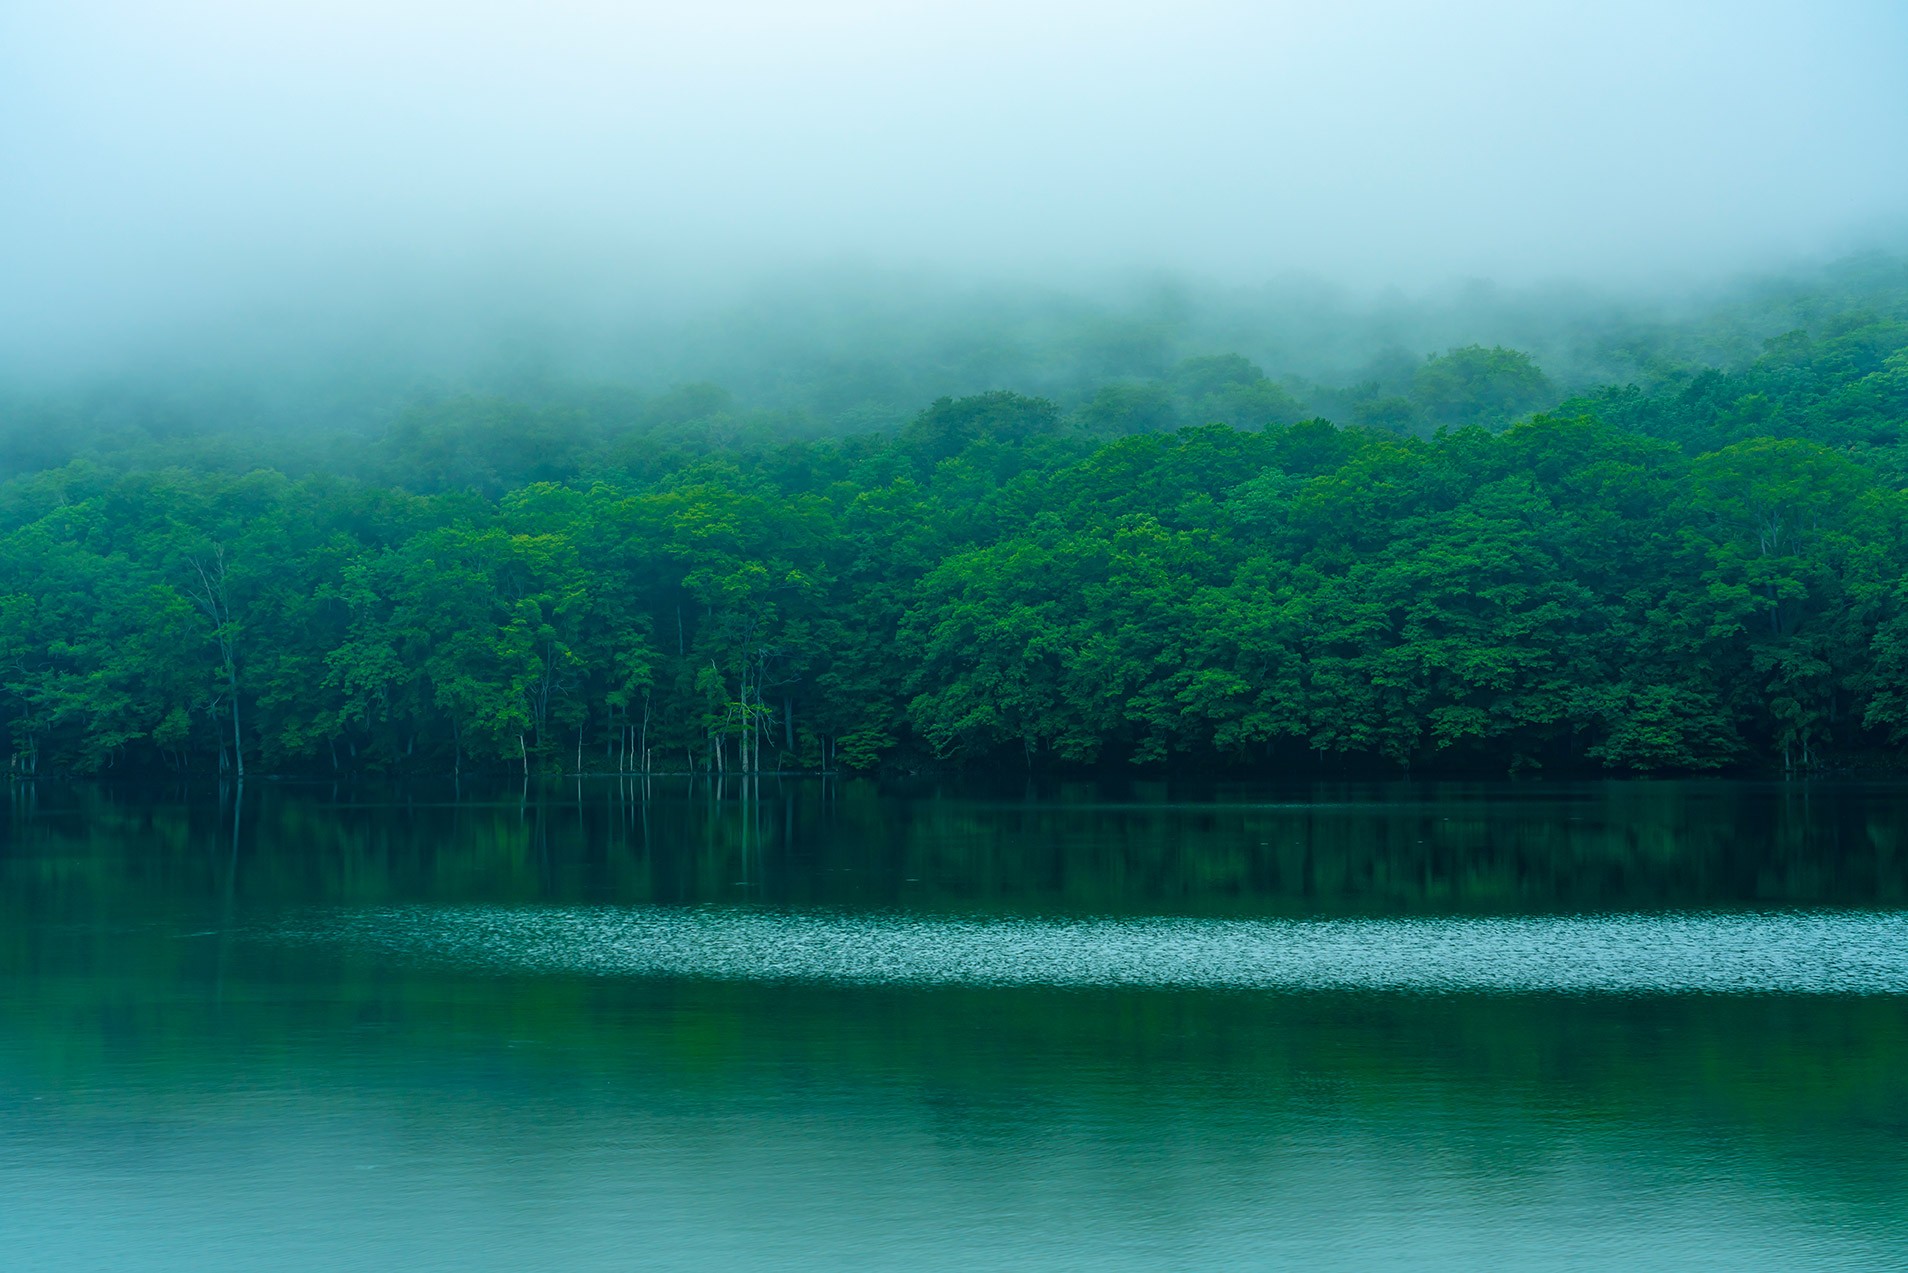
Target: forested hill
pixel 1704 572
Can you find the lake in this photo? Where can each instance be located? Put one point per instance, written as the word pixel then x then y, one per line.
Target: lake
pixel 803 1024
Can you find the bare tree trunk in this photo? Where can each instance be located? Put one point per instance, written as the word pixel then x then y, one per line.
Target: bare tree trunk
pixel 238 746
pixel 212 599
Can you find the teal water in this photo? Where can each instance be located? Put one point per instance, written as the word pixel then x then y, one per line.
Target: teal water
pixel 1625 1025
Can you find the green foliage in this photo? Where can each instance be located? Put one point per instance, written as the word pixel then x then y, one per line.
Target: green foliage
pixel 1474 385
pixel 952 425
pixel 1188 569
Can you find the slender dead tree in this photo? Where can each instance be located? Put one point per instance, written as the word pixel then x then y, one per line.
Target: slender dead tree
pixel 215 604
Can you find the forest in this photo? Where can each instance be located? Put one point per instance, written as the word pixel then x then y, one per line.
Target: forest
pixel 1455 561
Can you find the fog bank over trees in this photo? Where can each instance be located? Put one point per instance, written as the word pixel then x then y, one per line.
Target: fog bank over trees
pixel 830 353
pixel 432 193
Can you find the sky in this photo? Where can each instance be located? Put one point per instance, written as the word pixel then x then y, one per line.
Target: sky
pixel 166 167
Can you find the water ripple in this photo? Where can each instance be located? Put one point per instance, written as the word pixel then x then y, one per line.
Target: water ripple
pixel 1789 952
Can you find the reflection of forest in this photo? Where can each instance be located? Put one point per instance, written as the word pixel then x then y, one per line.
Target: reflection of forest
pixel 1140 849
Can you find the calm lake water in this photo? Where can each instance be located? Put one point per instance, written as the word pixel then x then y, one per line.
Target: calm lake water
pixel 1621 1025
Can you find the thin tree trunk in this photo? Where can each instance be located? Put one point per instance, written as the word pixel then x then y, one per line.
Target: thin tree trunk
pixel 212 600
pixel 238 746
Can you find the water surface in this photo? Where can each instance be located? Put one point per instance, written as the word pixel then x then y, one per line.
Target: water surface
pixel 1549 1026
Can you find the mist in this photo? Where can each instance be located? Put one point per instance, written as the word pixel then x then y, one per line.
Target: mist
pixel 215 185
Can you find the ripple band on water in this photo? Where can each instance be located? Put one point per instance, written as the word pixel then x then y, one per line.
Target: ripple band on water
pixel 1792 952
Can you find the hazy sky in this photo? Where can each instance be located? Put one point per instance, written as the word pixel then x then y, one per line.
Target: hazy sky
pixel 167 161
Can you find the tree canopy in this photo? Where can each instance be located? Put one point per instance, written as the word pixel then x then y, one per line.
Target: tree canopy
pixel 1702 572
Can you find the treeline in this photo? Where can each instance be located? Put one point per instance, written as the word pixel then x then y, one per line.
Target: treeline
pixel 1706 573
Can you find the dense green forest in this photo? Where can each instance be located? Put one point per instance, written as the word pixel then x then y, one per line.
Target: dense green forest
pixel 1474 564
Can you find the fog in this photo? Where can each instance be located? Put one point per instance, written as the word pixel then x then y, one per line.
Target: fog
pixel 639 190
